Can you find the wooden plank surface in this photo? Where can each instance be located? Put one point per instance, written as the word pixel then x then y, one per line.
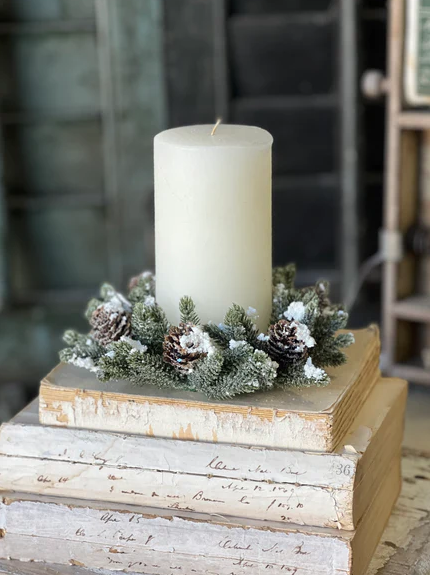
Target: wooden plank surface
pixel 412 370
pixel 413 308
pixel 404 547
pixel 406 269
pixel 189 37
pixel 392 182
pixel 403 550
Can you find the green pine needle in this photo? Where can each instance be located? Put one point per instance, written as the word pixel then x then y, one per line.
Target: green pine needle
pixel 187 310
pixel 240 325
pixel 149 325
pixel 237 360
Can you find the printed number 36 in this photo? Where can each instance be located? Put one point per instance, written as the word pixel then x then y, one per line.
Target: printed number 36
pixel 343 470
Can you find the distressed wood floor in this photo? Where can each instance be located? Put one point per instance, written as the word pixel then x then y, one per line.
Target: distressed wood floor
pixel 405 544
pixel 404 547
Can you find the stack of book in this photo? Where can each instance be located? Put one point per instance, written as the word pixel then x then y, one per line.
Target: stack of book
pixel 161 482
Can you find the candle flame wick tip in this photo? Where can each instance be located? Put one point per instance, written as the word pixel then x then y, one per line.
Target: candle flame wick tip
pixel 218 122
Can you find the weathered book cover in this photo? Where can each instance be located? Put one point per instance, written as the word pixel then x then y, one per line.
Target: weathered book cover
pixel 308 419
pixel 105 536
pixel 307 488
pixel 400 551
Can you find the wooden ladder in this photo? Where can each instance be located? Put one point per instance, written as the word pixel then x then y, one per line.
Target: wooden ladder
pixel 403 309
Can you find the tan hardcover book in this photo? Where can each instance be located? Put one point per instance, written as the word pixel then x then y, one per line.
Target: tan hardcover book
pixel 310 419
pixel 128 538
pixel 307 488
pixel 400 549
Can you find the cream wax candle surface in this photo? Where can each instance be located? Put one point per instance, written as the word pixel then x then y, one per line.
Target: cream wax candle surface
pixel 213 229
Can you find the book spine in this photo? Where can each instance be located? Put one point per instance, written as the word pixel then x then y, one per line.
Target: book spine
pixel 287 503
pixel 91 410
pixel 126 540
pixel 336 471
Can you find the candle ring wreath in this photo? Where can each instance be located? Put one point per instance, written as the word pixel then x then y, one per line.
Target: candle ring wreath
pixel 131 339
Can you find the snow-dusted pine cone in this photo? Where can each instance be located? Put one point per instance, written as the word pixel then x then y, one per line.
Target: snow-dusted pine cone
pixel 184 345
pixel 144 277
pixel 110 322
pixel 289 342
pixel 134 282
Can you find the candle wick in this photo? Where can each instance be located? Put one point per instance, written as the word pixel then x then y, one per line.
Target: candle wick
pixel 218 122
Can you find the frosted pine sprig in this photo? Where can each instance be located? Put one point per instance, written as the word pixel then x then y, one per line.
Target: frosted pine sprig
pixel 228 358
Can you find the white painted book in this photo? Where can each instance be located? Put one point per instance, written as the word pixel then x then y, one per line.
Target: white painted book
pixel 129 538
pixel 306 488
pixel 311 419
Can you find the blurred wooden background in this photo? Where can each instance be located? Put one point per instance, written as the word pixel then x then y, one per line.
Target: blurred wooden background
pixel 86 84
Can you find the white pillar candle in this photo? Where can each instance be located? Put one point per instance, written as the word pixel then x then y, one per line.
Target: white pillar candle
pixel 213 225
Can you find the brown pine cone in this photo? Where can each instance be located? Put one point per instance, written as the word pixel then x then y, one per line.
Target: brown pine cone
pixel 289 342
pixel 182 354
pixel 143 277
pixel 134 282
pixel 110 322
